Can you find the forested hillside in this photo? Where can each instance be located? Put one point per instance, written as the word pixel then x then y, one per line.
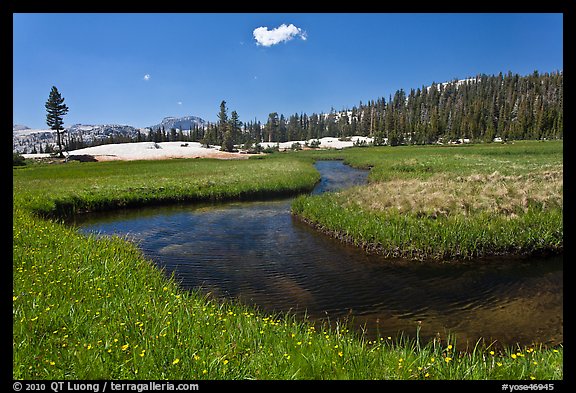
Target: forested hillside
pixel 480 109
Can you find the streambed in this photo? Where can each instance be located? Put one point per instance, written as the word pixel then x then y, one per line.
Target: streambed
pixel 258 253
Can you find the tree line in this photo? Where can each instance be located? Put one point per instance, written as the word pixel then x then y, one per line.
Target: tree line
pixel 478 109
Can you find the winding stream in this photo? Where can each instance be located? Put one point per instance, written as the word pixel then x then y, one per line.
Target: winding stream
pixel 258 253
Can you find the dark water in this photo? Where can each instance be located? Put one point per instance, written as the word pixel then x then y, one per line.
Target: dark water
pixel 258 253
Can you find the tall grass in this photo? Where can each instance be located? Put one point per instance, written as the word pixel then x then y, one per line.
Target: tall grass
pixel 87 307
pixel 438 202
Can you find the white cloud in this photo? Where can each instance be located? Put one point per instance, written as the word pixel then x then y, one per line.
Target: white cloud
pixel 282 33
pixel 179 102
pixel 147 77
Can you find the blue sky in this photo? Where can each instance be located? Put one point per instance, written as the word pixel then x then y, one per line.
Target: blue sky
pixel 136 69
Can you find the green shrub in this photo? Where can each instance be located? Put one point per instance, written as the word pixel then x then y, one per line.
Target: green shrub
pixel 18 159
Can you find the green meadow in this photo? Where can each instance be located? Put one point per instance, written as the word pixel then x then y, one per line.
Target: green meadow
pixel 448 202
pixel 75 187
pixel 89 307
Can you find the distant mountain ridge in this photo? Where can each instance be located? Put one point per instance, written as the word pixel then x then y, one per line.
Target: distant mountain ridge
pixel 19 127
pixel 180 123
pixel 26 140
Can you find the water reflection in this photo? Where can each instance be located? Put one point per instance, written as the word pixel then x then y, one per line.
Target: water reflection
pixel 258 253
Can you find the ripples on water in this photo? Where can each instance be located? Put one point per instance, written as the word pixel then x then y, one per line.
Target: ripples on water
pixel 258 253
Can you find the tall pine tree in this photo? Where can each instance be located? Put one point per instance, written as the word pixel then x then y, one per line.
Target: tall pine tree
pixel 56 109
pixel 222 122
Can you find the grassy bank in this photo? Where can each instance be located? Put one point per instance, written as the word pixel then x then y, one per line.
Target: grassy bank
pixel 449 202
pixel 87 307
pixel 64 189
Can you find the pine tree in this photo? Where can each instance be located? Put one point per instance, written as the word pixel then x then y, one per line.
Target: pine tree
pixel 344 125
pixel 222 122
pixel 209 136
pixel 227 142
pixel 293 128
pixel 56 109
pixel 272 126
pixel 235 126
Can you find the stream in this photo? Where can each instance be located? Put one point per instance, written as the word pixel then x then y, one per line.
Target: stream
pixel 258 253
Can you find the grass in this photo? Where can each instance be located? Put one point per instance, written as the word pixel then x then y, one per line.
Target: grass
pixel 88 307
pixel 62 190
pixel 449 202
